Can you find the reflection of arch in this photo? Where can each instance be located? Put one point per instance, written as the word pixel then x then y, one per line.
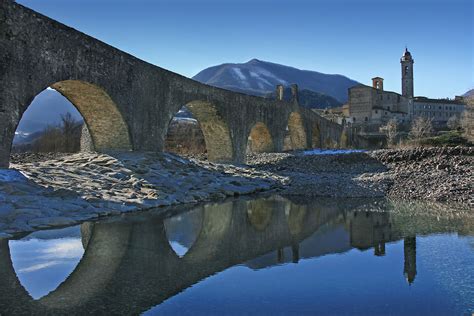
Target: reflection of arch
pixel 259 214
pixel 296 218
pixel 106 248
pixel 104 121
pixel 260 139
pixel 316 136
pixel 217 219
pixel 297 131
pixel 183 230
pixel 215 130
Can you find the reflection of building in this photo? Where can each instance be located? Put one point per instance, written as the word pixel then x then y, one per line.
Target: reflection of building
pixel 409 269
pixel 375 106
pixel 374 229
pixel 370 229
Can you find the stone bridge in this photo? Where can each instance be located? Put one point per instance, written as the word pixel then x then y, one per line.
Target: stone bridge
pixel 127 103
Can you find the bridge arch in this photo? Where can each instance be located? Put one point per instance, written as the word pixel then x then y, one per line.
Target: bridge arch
pixel 297 131
pixel 215 130
pixel 259 139
pixel 316 136
pixel 107 127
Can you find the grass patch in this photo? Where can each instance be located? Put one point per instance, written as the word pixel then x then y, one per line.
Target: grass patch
pixel 450 138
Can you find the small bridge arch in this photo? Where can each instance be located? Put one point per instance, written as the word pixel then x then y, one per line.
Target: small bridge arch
pixel 297 131
pixel 260 139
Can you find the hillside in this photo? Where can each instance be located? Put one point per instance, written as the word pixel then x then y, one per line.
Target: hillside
pixel 469 93
pixel 260 78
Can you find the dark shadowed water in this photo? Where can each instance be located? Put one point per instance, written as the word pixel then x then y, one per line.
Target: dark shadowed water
pixel 264 257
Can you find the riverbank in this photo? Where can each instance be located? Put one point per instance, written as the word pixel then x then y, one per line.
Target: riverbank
pixel 442 174
pixel 433 174
pixel 42 191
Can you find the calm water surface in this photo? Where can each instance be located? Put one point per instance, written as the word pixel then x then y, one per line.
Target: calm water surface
pixel 266 256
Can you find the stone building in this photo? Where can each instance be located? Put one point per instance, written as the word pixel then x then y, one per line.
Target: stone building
pixel 438 110
pixel 372 105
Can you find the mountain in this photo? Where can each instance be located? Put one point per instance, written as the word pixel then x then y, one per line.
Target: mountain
pixel 46 109
pixel 470 93
pixel 309 99
pixel 260 78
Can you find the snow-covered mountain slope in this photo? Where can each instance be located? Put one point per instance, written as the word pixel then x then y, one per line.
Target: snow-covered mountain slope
pixel 260 78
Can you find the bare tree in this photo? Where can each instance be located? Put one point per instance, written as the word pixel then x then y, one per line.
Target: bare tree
pixel 391 131
pixel 51 140
pixel 453 122
pixel 71 132
pixel 64 137
pixel 421 127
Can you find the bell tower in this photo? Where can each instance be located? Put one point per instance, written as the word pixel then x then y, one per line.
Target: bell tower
pixel 407 74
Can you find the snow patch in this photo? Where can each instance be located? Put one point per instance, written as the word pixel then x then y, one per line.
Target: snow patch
pixel 331 151
pixel 261 79
pixel 239 74
pixel 268 74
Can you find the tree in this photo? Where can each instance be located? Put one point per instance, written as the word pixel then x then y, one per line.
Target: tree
pixel 391 131
pixel 453 122
pixel 421 127
pixel 71 131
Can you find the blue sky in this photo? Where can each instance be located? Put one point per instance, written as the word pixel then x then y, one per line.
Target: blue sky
pixel 359 39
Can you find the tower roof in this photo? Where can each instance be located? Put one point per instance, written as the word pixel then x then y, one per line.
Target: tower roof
pixel 406 55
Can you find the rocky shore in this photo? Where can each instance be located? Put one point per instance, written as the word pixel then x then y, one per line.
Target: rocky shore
pixel 443 174
pixel 49 190
pixel 65 189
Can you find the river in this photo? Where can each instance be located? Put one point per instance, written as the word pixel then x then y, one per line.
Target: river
pixel 269 255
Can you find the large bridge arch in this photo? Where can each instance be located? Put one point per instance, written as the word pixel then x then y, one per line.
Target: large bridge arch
pixel 105 122
pixel 101 115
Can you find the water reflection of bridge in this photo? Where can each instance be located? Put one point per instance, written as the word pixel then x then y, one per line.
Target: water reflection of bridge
pixel 129 266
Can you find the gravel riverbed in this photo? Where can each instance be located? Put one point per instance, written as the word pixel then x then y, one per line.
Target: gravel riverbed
pixel 49 190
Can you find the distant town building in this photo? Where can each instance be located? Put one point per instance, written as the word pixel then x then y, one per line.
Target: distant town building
pixel 375 106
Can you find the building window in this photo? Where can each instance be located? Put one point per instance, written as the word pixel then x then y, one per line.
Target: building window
pixel 366 118
pixel 406 70
pixel 376 111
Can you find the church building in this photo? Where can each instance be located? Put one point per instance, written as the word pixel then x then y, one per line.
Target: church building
pixel 375 106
